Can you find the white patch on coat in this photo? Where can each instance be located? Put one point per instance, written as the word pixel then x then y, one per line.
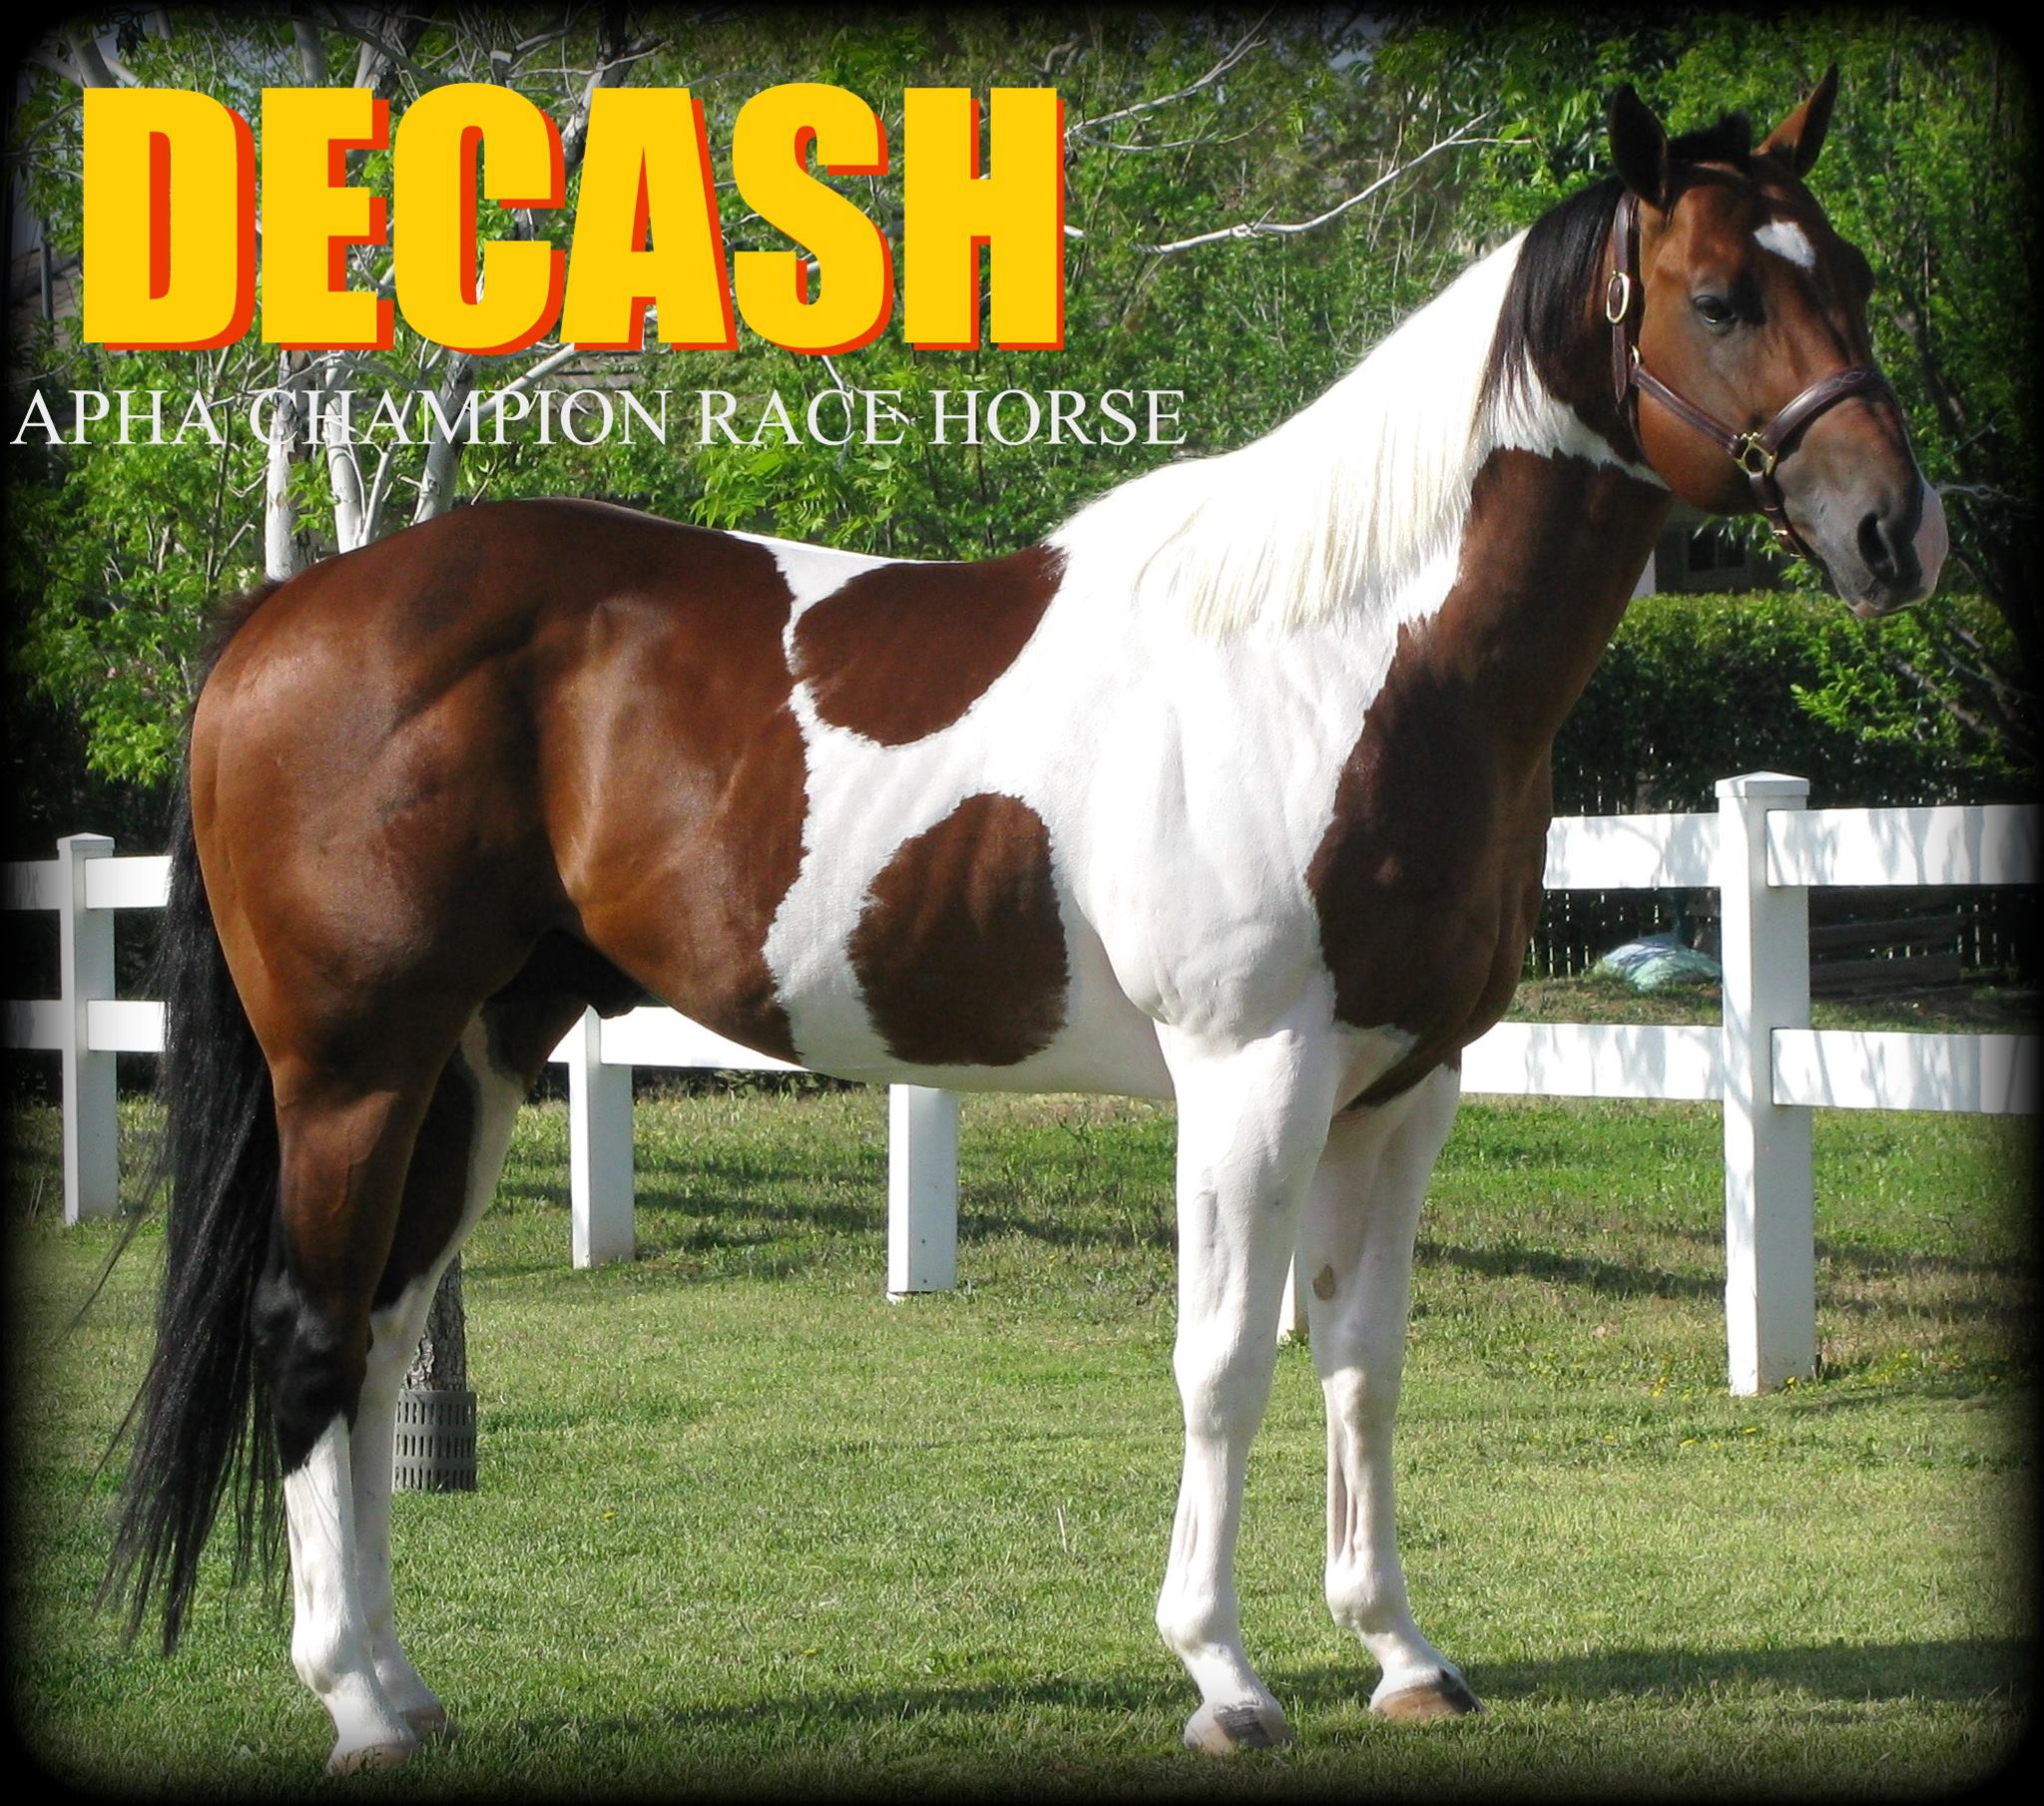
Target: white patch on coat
pixel 1184 777
pixel 330 1645
pixel 1787 239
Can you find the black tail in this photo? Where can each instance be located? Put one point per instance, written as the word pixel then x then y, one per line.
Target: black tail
pixel 202 1423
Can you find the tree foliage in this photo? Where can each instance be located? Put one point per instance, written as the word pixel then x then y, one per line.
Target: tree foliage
pixel 1193 143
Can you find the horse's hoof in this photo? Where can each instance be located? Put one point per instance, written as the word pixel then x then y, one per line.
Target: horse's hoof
pixel 432 1724
pixel 1220 1730
pixel 371 1755
pixel 1444 1695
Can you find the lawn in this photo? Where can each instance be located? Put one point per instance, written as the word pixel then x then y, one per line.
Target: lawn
pixel 746 1527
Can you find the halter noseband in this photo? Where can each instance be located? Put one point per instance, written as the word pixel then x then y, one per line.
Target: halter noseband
pixel 1757 453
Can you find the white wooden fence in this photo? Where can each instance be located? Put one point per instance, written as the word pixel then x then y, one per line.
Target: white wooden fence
pixel 1766 1067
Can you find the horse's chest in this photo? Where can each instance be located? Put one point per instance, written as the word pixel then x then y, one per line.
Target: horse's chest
pixel 1426 881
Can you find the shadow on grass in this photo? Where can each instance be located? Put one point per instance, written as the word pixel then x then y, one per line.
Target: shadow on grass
pixel 1972 1674
pixel 1861 1263
pixel 1962 1671
pixel 1970 1671
pixel 1517 1261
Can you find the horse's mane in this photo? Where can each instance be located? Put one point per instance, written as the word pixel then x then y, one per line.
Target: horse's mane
pixel 1350 497
pixel 1347 501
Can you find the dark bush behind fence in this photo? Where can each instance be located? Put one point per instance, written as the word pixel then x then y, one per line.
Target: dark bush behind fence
pixel 1696 686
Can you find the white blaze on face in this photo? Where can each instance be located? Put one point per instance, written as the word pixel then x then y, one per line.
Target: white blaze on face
pixel 1787 239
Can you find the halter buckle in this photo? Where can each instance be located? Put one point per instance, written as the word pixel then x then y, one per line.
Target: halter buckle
pixel 1618 296
pixel 1755 459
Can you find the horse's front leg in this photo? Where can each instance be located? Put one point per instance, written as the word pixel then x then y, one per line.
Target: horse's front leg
pixel 1355 1254
pixel 1251 1125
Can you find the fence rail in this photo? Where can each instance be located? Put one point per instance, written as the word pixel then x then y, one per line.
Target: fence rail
pixel 1762 850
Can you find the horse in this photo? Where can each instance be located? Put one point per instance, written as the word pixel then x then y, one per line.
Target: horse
pixel 1233 790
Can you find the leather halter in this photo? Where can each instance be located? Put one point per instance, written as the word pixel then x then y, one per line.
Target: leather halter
pixel 1757 452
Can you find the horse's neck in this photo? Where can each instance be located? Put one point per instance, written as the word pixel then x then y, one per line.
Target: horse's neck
pixel 1551 551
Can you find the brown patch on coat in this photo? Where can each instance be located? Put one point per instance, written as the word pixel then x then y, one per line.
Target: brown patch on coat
pixel 902 651
pixel 959 951
pixel 1323 1284
pixel 419 760
pixel 1426 882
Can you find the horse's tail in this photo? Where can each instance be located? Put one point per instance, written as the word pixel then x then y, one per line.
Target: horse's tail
pixel 201 1426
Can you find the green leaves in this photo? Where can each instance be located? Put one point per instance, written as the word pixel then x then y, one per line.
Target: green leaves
pixel 119 551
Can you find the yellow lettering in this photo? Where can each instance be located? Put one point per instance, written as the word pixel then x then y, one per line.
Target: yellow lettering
pixel 489 299
pixel 950 210
pixel 771 146
pixel 646 173
pixel 310 216
pixel 170 217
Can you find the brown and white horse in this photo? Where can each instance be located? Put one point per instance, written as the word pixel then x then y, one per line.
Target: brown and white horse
pixel 1233 792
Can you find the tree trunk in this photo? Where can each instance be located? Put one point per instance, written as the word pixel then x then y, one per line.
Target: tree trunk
pixel 440 1363
pixel 435 1447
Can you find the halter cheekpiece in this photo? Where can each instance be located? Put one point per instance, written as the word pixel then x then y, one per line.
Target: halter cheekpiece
pixel 1757 452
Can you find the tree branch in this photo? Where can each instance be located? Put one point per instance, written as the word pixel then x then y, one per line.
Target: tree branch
pixel 1272 228
pixel 1249 42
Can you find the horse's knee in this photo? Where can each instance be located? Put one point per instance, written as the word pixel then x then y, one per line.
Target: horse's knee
pixel 1362 1395
pixel 1191 1618
pixel 1222 1386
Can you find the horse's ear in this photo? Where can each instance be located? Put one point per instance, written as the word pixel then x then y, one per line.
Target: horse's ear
pixel 1639 147
pixel 1799 136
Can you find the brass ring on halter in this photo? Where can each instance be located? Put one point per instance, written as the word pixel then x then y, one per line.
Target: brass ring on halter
pixel 1618 296
pixel 1755 459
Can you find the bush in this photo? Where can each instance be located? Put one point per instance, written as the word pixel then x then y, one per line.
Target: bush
pixel 1698 688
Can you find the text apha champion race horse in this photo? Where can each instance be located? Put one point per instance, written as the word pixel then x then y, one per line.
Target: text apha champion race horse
pixel 1233 790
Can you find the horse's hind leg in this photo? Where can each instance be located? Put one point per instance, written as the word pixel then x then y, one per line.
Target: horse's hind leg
pixel 457 1163
pixel 344 1148
pixel 1356 1251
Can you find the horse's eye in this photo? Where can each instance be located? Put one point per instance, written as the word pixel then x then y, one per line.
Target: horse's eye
pixel 1713 310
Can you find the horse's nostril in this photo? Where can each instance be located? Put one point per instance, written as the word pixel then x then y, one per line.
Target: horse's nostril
pixel 1874 546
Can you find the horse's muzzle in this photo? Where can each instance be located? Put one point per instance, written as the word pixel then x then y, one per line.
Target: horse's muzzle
pixel 1892 555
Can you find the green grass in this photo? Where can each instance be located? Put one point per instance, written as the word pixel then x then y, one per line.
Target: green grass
pixel 746 1527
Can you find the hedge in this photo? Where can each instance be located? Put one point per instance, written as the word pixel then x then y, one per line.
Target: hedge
pixel 1698 688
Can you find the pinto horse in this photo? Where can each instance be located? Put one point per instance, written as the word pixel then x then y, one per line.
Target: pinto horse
pixel 1233 790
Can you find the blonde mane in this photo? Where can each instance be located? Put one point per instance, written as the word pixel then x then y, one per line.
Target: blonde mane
pixel 1343 503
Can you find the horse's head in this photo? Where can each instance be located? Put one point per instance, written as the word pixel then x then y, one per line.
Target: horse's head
pixel 1741 350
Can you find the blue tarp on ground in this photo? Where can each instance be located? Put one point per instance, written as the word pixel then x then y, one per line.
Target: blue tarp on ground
pixel 1656 961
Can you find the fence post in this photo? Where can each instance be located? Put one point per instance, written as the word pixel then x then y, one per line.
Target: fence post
pixel 599 1149
pixel 1770 1225
pixel 922 1189
pixel 92 1123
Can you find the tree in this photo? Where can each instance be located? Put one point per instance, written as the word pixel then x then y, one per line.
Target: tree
pixel 1239 226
